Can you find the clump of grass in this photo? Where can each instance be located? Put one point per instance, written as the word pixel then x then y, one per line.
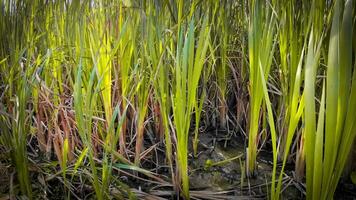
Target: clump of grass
pixel 261 47
pixel 84 121
pixel 19 139
pixel 222 68
pixel 145 74
pixel 100 44
pixel 156 43
pixel 291 38
pixel 125 64
pixel 16 72
pixel 189 63
pixel 15 130
pixel 328 143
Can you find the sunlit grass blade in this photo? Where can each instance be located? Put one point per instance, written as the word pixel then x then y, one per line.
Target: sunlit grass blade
pixel 332 135
pixel 274 193
pixel 318 153
pixel 311 65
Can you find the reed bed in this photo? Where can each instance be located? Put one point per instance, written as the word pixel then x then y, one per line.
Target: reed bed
pixel 115 99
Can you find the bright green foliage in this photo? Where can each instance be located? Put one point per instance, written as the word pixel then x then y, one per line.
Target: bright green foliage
pixel 100 44
pixel 325 165
pixel 291 38
pixel 261 47
pixel 310 122
pixel 188 68
pixel 84 83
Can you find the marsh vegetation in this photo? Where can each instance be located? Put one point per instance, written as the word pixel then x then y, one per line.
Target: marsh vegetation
pixel 176 99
